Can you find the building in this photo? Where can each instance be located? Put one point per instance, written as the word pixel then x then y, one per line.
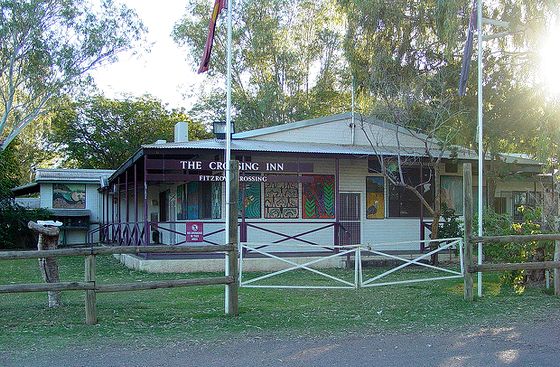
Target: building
pixel 71 195
pixel 308 183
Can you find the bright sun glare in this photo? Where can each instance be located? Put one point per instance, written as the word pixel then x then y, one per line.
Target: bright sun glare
pixel 550 61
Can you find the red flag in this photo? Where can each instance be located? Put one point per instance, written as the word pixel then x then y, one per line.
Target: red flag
pixel 218 6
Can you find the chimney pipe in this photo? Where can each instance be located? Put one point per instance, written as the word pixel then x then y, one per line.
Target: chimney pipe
pixel 181 132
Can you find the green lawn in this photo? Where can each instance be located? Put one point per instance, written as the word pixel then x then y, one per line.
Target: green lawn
pixel 196 314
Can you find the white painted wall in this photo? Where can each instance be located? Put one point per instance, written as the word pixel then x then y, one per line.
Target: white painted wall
pixel 340 133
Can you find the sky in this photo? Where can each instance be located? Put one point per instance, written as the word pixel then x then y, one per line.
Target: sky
pixel 165 72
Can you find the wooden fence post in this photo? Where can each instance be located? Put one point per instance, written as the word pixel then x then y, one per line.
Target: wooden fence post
pixel 91 307
pixel 556 270
pixel 232 293
pixel 468 247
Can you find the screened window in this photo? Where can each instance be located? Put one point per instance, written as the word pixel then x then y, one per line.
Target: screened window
pixel 402 201
pixel 524 199
pixel 199 200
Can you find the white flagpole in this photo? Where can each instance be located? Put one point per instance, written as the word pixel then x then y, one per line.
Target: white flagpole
pixel 228 140
pixel 480 153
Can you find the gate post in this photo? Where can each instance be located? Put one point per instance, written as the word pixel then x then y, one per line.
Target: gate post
pixel 232 290
pixel 468 214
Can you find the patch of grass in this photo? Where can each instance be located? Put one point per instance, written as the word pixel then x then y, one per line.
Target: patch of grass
pixel 197 314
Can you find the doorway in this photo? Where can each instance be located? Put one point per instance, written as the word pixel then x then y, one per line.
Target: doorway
pixel 350 219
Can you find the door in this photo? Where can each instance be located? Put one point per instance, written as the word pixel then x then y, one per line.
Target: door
pixel 350 219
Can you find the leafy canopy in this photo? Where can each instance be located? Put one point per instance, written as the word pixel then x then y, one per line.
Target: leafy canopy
pixel 47 48
pixel 98 132
pixel 288 63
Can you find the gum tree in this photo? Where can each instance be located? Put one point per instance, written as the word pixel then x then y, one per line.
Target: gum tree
pixel 47 48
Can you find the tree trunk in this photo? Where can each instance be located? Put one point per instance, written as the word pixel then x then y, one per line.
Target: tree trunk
pixel 434 235
pixel 537 276
pixel 48 240
pixel 436 215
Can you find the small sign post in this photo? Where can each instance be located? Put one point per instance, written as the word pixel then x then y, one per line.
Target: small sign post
pixel 195 232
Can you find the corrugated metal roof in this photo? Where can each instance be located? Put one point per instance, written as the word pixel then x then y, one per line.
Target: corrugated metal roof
pixel 274 146
pixel 26 189
pixel 320 148
pixel 71 175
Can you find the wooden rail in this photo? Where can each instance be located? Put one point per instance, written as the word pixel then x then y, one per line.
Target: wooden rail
pixel 469 240
pixel 91 287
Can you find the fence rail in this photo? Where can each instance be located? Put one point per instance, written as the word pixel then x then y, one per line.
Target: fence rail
pixel 91 286
pixel 468 257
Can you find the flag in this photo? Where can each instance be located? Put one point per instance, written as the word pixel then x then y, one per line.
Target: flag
pixel 218 6
pixel 467 52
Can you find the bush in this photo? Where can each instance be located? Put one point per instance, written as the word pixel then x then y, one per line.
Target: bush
pixel 500 225
pixel 14 233
pixel 450 226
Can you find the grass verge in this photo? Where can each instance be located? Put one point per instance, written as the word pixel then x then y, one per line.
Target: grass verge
pixel 196 314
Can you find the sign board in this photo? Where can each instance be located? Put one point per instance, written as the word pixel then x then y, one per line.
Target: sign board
pixel 193 165
pixel 195 232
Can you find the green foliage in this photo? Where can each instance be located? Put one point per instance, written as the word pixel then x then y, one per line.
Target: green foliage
pixel 13 218
pixel 9 169
pixel 287 65
pixel 501 225
pixel 14 233
pixel 47 49
pixel 98 132
pixel 450 227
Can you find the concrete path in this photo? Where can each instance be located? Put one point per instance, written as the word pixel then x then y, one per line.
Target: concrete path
pixel 535 344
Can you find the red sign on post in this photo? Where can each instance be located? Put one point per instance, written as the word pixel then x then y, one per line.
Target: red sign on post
pixel 195 232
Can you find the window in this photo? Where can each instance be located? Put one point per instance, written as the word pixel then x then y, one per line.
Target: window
pixel 318 197
pixel 375 197
pixel 69 196
pixel 281 200
pixel 402 201
pixel 250 193
pixel 199 200
pixel 452 193
pixel 524 199
pixel 500 205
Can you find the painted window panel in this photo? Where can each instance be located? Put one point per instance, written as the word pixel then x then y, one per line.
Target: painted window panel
pixel 69 196
pixel 281 200
pixel 375 197
pixel 452 193
pixel 216 200
pixel 252 198
pixel 318 197
pixel 181 203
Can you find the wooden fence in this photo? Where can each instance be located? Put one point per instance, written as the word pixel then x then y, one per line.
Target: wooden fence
pixel 92 287
pixel 470 240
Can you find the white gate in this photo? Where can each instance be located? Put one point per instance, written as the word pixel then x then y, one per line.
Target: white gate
pixel 443 244
pixel 358 252
pixel 287 258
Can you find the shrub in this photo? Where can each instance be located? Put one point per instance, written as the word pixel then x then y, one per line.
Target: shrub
pixel 14 233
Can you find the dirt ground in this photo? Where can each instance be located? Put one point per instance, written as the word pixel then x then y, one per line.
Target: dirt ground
pixel 520 344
